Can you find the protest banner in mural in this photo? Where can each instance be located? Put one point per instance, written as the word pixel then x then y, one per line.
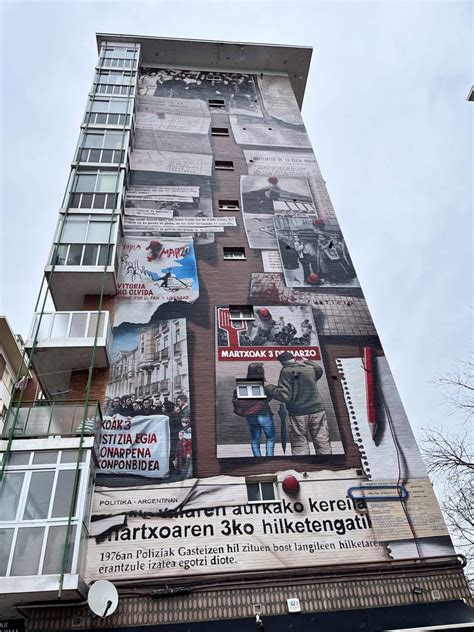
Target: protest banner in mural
pixel 153 272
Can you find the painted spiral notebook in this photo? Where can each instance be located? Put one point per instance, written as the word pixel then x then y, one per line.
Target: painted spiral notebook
pixel 391 456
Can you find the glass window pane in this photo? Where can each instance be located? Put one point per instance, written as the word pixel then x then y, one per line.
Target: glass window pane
pixel 63 495
pixel 59 256
pixel 53 558
pixel 90 255
pixel 86 201
pixel 268 491
pixel 101 119
pixel 98 232
pixel 111 200
pixel 10 491
pixel 107 183
pixel 93 325
pixel 74 230
pixel 105 255
pixel 19 458
pixel 94 155
pixel 113 141
pixel 76 197
pixel 44 328
pixel 78 325
pixel 113 119
pixel 253 492
pixel 39 495
pixel 70 456
pixel 119 106
pixel 256 390
pixel 85 183
pixel 60 325
pixel 99 201
pixel 107 155
pixel 74 256
pixel 27 553
pixel 99 106
pixel 6 537
pixel 93 141
pixel 43 457
pixel 242 391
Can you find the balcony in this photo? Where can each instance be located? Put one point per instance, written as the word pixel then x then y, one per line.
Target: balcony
pixel 65 341
pixel 44 418
pixel 79 269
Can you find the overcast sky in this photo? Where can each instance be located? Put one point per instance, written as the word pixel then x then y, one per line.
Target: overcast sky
pixel 385 109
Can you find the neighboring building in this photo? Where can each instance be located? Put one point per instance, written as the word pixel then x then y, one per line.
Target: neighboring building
pixel 219 434
pixel 13 366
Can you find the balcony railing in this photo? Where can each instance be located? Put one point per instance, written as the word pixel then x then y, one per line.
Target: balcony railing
pixel 68 326
pixel 48 418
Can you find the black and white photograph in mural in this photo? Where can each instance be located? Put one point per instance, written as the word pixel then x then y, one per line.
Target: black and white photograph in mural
pixel 313 253
pixel 273 398
pixel 264 197
pixel 147 203
pixel 237 90
pixel 146 432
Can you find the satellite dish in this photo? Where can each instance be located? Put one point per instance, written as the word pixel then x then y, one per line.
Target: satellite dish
pixel 103 598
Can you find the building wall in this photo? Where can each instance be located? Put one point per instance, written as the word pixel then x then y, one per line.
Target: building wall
pixel 195 484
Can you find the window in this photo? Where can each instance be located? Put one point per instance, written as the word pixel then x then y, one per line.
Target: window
pixel 108 112
pixel 35 501
pixel 94 190
pixel 119 52
pixel 234 252
pixel 250 389
pixel 241 312
pixel 84 240
pixel 216 104
pixel 7 380
pixel 103 88
pixel 261 491
pixel 220 131
pixel 229 205
pixel 103 147
pixel 224 165
pixel 115 77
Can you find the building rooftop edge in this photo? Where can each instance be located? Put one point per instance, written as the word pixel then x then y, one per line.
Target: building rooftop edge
pixel 222 55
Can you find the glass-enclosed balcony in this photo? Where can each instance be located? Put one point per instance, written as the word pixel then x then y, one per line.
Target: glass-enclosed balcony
pixel 65 342
pixel 83 259
pixel 43 418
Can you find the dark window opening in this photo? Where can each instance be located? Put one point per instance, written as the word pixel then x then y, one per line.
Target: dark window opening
pixel 229 205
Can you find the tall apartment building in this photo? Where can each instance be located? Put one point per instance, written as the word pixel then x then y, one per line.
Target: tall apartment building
pixel 219 433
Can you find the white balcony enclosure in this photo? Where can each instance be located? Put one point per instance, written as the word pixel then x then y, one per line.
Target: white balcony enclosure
pixel 61 342
pixel 83 259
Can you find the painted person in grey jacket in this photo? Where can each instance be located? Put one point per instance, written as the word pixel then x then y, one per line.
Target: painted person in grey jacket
pixel 298 389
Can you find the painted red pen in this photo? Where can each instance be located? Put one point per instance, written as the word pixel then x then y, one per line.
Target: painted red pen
pixel 370 391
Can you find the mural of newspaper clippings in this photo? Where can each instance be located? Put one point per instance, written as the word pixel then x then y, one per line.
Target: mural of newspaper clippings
pixel 293 165
pixel 334 314
pixel 313 254
pixel 279 99
pixel 153 272
pixel 171 162
pixel 246 133
pixel 290 412
pixel 263 197
pixel 321 527
pixel 146 205
pixel 146 432
pixel 237 89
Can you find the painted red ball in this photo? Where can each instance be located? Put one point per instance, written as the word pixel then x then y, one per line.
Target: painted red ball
pixel 318 221
pixel 273 180
pixel 291 484
pixel 313 278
